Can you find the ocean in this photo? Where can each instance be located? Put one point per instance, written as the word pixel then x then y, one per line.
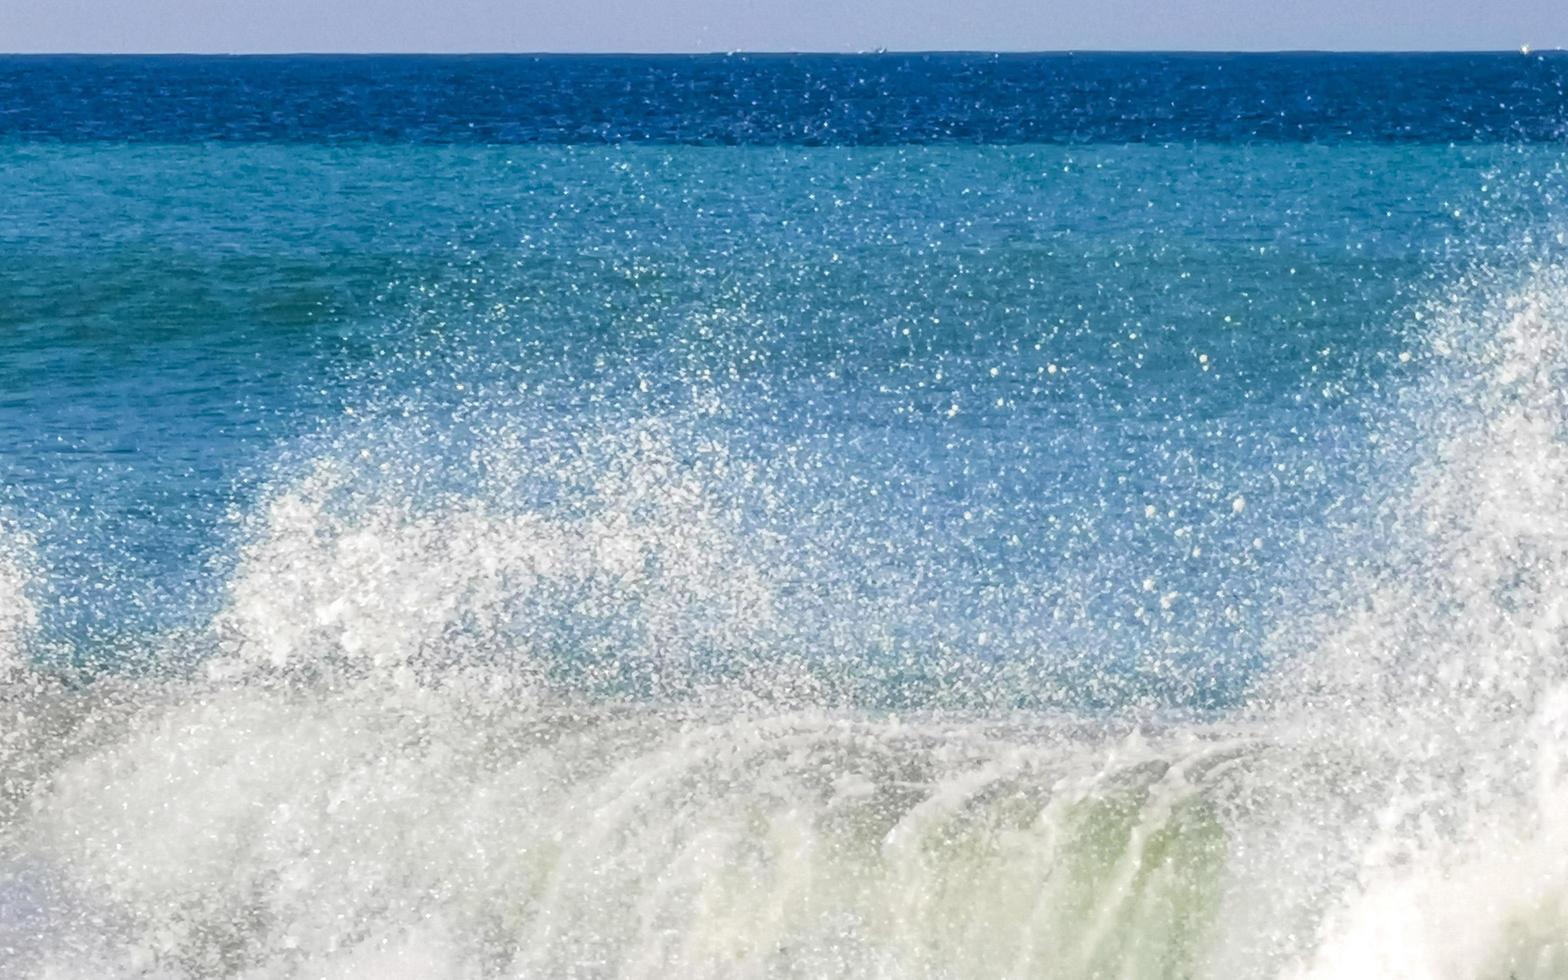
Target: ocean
pixel 899 516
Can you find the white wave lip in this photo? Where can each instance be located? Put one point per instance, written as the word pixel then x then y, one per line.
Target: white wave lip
pixel 649 555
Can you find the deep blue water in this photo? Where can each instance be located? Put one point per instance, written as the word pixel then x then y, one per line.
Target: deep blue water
pixel 806 100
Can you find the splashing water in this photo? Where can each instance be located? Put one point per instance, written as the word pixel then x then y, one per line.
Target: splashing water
pixel 376 771
pixel 828 605
pixel 645 567
pixel 1451 661
pixel 18 613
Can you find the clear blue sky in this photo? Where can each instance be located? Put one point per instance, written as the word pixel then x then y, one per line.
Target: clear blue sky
pixel 817 25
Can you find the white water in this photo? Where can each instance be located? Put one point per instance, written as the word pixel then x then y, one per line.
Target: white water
pixel 1454 662
pixel 18 613
pixel 385 589
pixel 353 786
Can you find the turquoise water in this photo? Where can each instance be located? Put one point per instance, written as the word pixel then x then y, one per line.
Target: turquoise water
pixel 924 517
pixel 900 336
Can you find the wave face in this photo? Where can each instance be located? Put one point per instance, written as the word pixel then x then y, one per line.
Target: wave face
pixel 900 562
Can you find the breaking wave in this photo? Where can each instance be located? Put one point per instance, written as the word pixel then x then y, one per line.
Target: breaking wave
pixel 594 729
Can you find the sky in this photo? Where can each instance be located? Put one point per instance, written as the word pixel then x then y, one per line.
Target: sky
pixel 251 26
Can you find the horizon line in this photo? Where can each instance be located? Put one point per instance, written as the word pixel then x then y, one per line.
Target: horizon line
pixel 1524 49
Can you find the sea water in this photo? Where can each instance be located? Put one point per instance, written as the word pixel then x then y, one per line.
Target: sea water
pixel 794 516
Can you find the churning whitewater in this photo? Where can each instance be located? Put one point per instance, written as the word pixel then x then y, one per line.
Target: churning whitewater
pixel 444 734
